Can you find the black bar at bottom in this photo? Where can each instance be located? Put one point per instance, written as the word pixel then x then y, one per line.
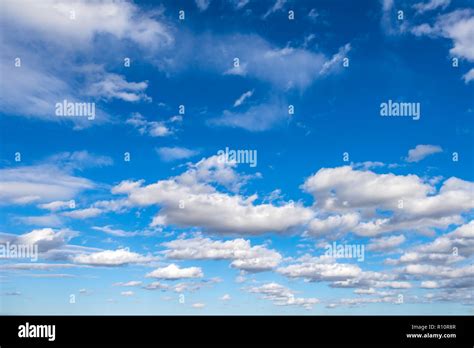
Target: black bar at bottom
pixel 291 331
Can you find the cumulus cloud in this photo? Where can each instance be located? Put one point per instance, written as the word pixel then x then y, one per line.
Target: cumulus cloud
pixel 385 244
pixel 114 86
pixel 282 296
pixel 458 26
pixel 173 272
pixel 422 151
pixel 414 203
pixel 189 200
pixel 151 128
pixel 239 251
pixel 53 20
pixel 448 248
pixel 111 258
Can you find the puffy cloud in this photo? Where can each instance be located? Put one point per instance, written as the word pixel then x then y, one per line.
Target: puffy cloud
pixel 414 203
pixel 151 128
pixel 320 269
pixel 387 243
pixel 447 248
pixel 117 257
pixel 225 297
pixel 422 151
pixel 172 272
pixel 114 86
pixel 282 296
pixel 334 225
pixel 188 200
pixel 46 238
pixel 53 20
pixel 344 188
pixel 423 270
pixel 69 32
pixel 242 254
pixel 458 26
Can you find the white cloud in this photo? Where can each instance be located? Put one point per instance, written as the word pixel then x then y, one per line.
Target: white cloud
pixel 320 269
pixel 344 188
pixel 243 255
pixel 277 6
pixel 332 64
pixel 414 203
pixel 114 86
pixel 175 153
pixel 42 220
pixel 283 67
pixel 202 5
pixel 127 293
pixel 239 4
pixel 225 297
pixel 39 183
pixel 172 272
pixel 189 200
pixel 51 19
pixel 117 257
pixel 198 305
pixel 469 76
pixel 282 296
pixel 82 213
pixel 457 26
pixel 45 238
pixel 387 243
pixel 242 98
pixel 334 225
pixel 422 151
pixel 130 283
pixel 115 232
pixel 429 284
pixel 422 7
pixel 441 250
pixel 151 128
pixel 57 205
pixel 256 118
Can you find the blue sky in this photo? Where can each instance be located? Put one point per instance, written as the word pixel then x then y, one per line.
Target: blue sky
pixel 133 211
